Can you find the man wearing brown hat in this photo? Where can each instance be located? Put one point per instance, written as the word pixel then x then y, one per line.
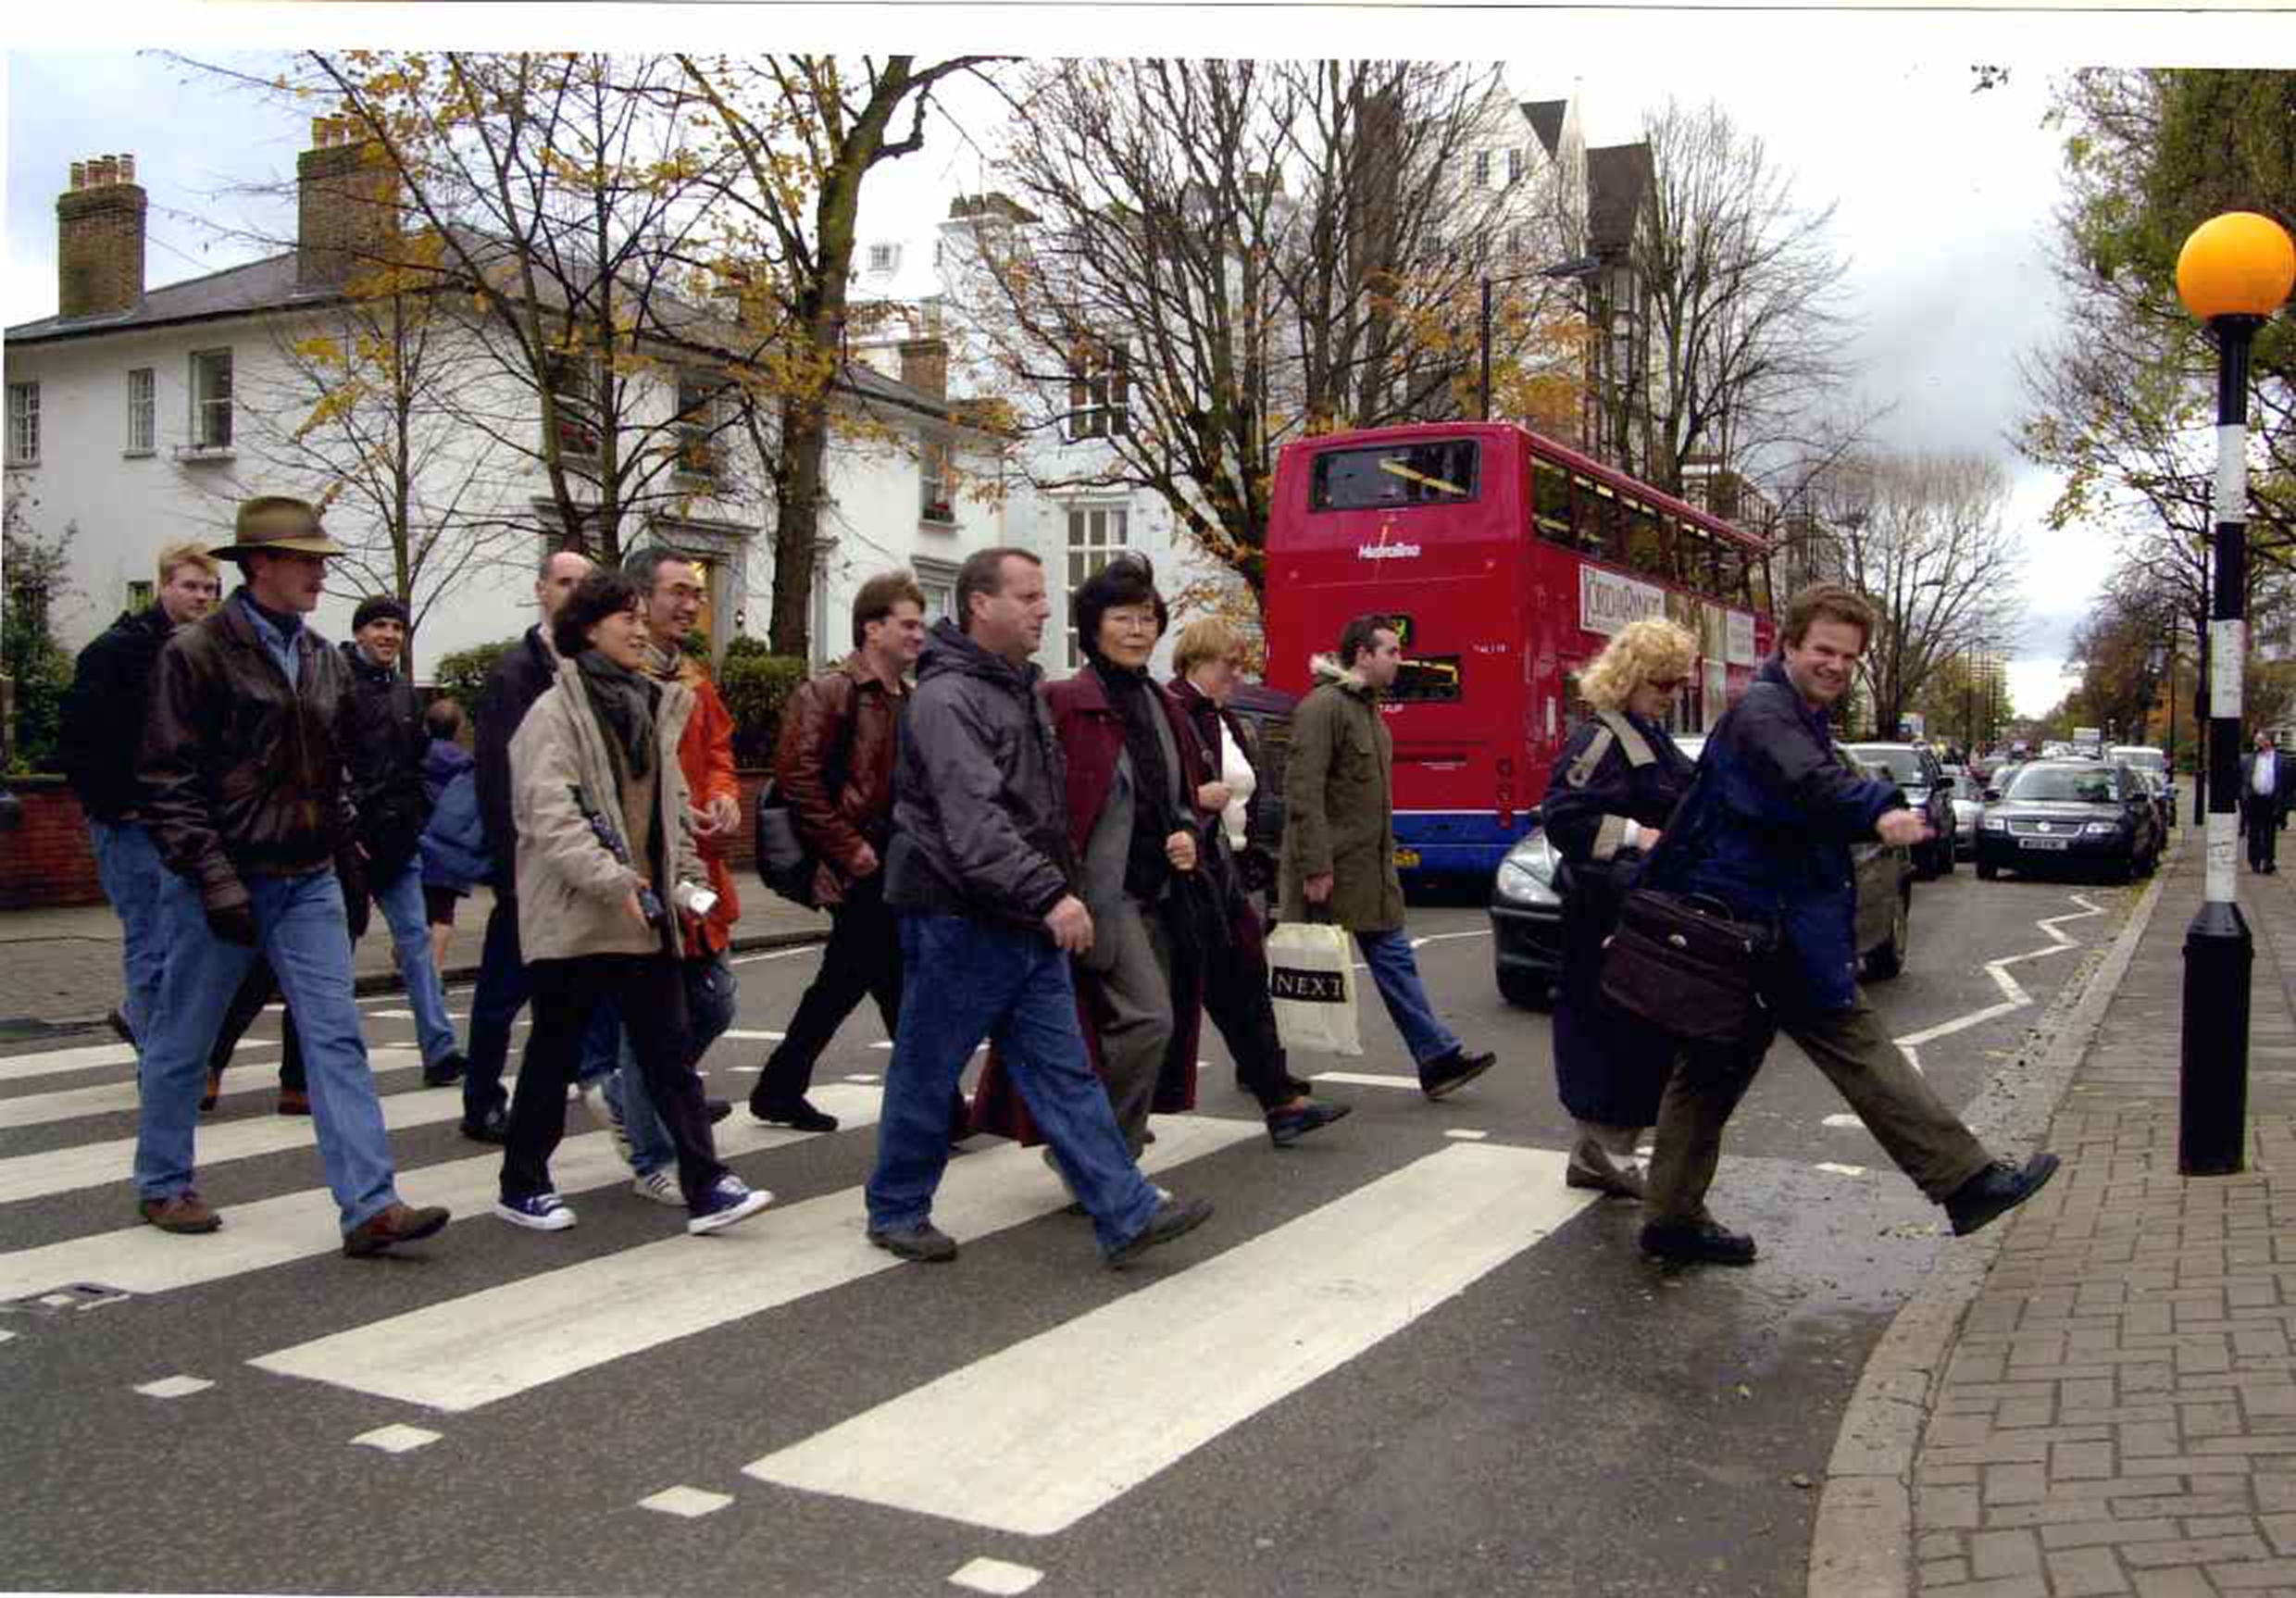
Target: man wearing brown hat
pixel 249 801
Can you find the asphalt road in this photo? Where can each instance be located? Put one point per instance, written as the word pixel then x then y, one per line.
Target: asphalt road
pixel 1400 1359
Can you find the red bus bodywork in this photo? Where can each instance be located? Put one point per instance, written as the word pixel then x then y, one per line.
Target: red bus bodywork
pixel 1506 591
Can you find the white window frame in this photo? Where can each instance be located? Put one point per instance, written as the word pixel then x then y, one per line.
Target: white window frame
pixel 936 501
pixel 24 424
pixel 1100 391
pixel 572 380
pixel 142 594
pixel 1479 168
pixel 701 417
pixel 1098 532
pixel 938 580
pixel 210 411
pixel 143 410
pixel 1516 164
pixel 884 258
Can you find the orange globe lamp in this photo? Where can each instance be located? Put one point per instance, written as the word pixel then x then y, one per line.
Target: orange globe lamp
pixel 2236 265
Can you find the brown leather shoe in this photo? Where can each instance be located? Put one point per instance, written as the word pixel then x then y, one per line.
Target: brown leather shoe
pixel 215 1091
pixel 293 1102
pixel 396 1223
pixel 186 1212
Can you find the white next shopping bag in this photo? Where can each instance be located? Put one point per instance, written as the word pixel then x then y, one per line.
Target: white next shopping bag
pixel 1311 979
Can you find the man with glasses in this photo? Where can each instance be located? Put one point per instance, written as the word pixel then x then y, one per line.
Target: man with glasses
pixel 246 794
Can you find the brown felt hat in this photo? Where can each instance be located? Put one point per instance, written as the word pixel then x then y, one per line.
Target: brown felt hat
pixel 279 524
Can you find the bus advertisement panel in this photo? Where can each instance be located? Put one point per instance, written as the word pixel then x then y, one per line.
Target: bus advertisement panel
pixel 1507 561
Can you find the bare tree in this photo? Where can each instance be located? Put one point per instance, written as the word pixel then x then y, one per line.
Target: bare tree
pixel 1923 536
pixel 1203 260
pixel 1747 340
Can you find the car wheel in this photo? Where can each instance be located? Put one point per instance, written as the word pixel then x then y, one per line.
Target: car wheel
pixel 1525 990
pixel 1986 870
pixel 1888 958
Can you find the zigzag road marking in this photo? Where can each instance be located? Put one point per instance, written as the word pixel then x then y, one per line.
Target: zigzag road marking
pixel 1037 1436
pixel 492 1345
pixel 2014 996
pixel 304 1225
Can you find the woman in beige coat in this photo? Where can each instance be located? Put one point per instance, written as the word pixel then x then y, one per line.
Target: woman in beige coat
pixel 605 865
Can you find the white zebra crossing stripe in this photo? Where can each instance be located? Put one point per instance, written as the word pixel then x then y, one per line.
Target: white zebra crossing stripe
pixel 113 1098
pixel 53 1062
pixel 302 1225
pixel 494 1344
pixel 1366 1079
pixel 1034 1437
pixel 95 1165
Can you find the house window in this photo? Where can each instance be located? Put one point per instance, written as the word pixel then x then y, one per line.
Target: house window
pixel 211 399
pixel 1515 240
pixel 884 258
pixel 23 424
pixel 701 417
pixel 1095 535
pixel 935 500
pixel 573 389
pixel 1514 166
pixel 938 580
pixel 142 408
pixel 1482 168
pixel 140 594
pixel 1100 391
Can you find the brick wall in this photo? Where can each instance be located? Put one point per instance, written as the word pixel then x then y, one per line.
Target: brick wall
pixel 99 249
pixel 46 861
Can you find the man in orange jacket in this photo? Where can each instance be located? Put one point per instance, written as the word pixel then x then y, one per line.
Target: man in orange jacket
pixel 674 593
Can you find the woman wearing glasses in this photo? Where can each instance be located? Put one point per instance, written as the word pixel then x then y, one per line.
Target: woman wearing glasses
pixel 1607 801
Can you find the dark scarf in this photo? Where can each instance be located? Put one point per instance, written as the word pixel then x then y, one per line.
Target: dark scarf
pixel 1147 868
pixel 624 703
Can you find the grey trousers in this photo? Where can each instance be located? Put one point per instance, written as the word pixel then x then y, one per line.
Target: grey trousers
pixel 1914 1125
pixel 1132 963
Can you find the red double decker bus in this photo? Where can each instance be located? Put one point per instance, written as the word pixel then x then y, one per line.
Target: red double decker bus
pixel 1507 561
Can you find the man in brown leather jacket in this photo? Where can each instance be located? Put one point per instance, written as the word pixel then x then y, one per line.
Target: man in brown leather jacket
pixel 834 764
pixel 245 793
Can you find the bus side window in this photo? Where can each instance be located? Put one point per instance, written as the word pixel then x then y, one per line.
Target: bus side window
pixel 1550 503
pixel 1758 584
pixel 1594 509
pixel 1646 548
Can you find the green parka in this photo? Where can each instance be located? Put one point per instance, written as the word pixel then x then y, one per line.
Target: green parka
pixel 1339 806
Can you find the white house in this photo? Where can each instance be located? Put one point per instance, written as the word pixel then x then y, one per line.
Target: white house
pixel 141 416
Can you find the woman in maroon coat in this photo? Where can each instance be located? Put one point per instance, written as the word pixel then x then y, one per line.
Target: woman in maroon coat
pixel 1134 770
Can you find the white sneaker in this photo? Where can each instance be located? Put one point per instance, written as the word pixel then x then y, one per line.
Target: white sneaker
pixel 536 1212
pixel 602 1115
pixel 661 1186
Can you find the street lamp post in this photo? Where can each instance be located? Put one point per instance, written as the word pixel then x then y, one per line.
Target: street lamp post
pixel 1576 268
pixel 2235 270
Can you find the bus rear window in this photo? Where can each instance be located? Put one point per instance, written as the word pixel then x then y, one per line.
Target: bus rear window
pixel 1436 473
pixel 1426 680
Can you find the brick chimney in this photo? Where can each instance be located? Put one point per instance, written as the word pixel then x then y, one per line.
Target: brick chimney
pixel 925 365
pixel 346 207
pixel 99 239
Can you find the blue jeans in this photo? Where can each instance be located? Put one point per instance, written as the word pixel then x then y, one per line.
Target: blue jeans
pixel 400 899
pixel 963 981
pixel 300 923
pixel 127 863
pixel 709 1011
pixel 503 991
pixel 1395 972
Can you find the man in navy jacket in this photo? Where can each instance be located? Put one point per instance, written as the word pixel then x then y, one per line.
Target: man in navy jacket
pixel 1766 830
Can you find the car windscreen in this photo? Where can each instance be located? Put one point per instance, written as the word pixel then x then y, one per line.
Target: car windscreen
pixel 1896 764
pixel 2069 783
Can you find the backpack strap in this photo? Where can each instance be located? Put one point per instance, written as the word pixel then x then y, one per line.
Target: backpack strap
pixel 1630 740
pixel 1582 769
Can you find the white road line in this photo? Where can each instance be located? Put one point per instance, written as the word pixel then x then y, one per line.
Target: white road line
pixel 740 1035
pixel 687 1502
pixel 96 1164
pixel 776 954
pixel 1037 1436
pixel 113 1098
pixel 1000 1577
pixel 304 1225
pixel 2014 996
pixel 1366 1079
pixel 492 1345
pixel 396 1439
pixel 53 1062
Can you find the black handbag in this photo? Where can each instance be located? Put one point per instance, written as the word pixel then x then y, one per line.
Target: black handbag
pixel 1681 963
pixel 785 863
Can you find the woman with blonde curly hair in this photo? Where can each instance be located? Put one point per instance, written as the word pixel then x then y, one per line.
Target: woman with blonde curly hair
pixel 1607 800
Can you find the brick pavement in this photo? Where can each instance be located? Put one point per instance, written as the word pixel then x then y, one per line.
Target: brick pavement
pixel 2118 1412
pixel 59 969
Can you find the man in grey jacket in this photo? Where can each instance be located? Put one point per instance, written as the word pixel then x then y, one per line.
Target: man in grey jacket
pixel 980 874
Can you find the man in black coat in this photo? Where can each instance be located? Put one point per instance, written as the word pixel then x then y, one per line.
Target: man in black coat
pixel 103 721
pixel 520 677
pixel 2267 789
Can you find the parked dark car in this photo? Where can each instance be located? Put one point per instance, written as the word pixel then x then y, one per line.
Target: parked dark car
pixel 1915 769
pixel 2071 815
pixel 1526 913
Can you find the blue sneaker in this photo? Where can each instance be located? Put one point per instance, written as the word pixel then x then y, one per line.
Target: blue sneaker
pixel 536 1212
pixel 729 1199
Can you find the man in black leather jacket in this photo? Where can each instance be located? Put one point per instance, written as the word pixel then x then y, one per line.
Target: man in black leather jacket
pixel 241 770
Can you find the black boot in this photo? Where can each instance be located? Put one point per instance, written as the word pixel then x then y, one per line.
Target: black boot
pixel 1702 1242
pixel 1997 1189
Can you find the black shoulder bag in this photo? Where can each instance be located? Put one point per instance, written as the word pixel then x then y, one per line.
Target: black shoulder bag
pixel 786 862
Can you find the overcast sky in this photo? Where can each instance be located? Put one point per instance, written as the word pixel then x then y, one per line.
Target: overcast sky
pixel 1943 196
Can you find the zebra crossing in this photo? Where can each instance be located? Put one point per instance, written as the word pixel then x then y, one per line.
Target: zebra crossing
pixel 1025 1441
